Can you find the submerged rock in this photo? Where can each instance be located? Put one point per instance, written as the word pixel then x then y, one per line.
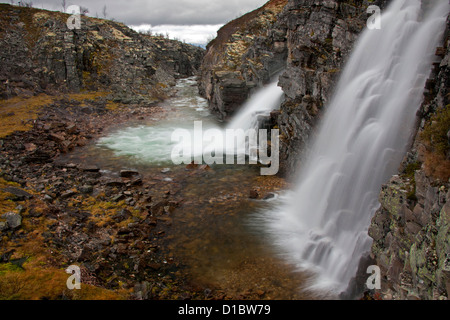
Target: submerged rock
pixel 191 166
pixel 253 194
pixel 269 196
pixel 128 173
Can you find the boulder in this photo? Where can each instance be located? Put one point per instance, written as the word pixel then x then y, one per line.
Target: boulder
pixel 89 168
pixel 86 189
pixel 128 173
pixel 14 220
pixel 3 226
pixel 19 194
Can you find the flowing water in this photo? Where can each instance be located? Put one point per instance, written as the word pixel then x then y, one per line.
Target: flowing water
pixel 323 226
pixel 210 232
pixel 153 144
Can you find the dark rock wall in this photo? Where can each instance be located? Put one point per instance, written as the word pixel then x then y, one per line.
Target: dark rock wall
pixel 320 37
pixel 309 40
pixel 411 228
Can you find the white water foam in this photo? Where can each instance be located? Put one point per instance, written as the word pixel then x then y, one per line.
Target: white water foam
pixel 153 143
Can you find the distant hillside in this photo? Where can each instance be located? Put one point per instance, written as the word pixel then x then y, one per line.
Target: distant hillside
pixel 41 54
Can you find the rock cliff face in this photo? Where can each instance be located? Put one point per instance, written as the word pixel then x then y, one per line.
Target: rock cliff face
pixel 320 37
pixel 41 54
pixel 411 230
pixel 309 40
pixel 247 52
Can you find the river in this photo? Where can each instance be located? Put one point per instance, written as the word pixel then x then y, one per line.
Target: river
pixel 212 232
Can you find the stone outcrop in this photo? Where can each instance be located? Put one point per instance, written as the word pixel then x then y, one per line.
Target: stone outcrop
pixel 320 38
pixel 317 43
pixel 246 54
pixel 41 54
pixel 309 40
pixel 411 230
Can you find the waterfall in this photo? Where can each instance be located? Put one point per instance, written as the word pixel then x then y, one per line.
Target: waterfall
pixel 323 226
pixel 264 101
pixel 250 117
pixel 153 143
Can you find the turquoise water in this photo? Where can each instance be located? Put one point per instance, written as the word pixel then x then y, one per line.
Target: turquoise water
pixel 152 144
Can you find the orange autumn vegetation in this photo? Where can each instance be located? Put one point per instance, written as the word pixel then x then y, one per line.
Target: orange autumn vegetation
pixel 434 136
pixel 102 212
pixel 437 166
pixel 18 113
pixel 49 283
pixel 41 276
pixel 6 205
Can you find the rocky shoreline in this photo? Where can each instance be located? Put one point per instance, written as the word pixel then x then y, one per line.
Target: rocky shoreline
pixel 57 211
pixel 60 93
pixel 74 212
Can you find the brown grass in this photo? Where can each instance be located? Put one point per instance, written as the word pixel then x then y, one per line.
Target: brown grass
pixel 5 204
pixel 18 113
pixel 50 284
pixel 102 212
pixel 437 166
pixel 40 277
pixel 434 137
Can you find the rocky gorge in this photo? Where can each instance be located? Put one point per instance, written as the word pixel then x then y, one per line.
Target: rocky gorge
pixel 63 89
pixel 63 205
pixel 311 41
pixel 43 56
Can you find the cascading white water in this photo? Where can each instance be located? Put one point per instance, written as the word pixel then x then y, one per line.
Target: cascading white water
pixel 152 143
pixel 259 106
pixel 323 227
pixel 264 101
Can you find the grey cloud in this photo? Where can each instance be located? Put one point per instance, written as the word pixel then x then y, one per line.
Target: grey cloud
pixel 157 12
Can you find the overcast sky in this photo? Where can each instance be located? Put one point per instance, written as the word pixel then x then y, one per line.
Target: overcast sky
pixel 200 18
